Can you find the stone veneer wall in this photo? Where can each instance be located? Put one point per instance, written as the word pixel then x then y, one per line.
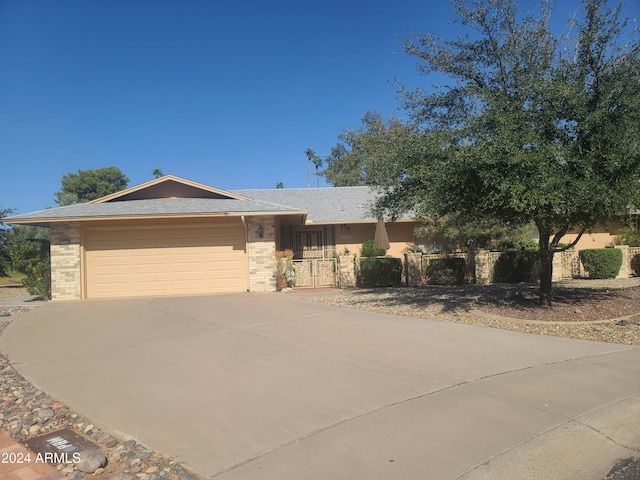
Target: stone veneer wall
pixel 66 281
pixel 347 271
pixel 261 253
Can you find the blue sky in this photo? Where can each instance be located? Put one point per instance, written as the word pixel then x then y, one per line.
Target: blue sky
pixel 229 94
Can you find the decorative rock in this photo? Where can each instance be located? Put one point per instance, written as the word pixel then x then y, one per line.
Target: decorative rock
pixel 122 476
pixel 129 444
pixel 151 470
pixel 109 441
pixel 68 469
pixel 99 471
pixel 91 460
pixel 34 429
pixel 45 414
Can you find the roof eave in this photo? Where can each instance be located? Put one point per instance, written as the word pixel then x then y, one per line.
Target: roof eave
pixel 46 221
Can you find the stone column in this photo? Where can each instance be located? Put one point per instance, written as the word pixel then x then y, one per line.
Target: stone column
pixel 484 267
pixel 556 275
pixel 261 247
pixel 413 269
pixel 624 268
pixel 346 271
pixel 66 280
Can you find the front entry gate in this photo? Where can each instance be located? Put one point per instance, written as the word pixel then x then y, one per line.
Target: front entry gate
pixel 315 273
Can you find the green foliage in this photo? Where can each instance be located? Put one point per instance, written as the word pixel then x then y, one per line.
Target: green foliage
pixel 32 258
pixel 87 185
pixel 19 233
pixel 371 155
pixel 635 264
pixel 446 271
pixel 368 250
pixel 5 258
pixel 488 233
pixel 532 127
pixel 515 266
pixel 380 272
pixel 630 234
pixel 601 262
pixel 312 157
pixel 285 265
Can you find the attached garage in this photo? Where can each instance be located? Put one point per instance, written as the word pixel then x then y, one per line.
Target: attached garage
pixel 165 258
pixel 168 236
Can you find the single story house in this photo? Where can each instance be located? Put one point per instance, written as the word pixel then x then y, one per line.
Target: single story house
pixel 174 236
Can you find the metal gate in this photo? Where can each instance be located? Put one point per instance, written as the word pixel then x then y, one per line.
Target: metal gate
pixel 315 273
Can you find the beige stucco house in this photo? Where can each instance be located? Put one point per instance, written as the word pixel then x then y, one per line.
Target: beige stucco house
pixel 174 236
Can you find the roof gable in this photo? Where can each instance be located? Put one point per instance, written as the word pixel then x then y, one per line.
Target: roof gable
pixel 169 186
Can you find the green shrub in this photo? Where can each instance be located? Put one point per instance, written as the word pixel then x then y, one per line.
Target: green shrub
pixel 368 250
pixel 380 272
pixel 635 264
pixel 515 266
pixel 32 258
pixel 446 271
pixel 601 262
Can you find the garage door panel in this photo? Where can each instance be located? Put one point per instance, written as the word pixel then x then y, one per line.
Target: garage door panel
pixel 223 266
pixel 165 259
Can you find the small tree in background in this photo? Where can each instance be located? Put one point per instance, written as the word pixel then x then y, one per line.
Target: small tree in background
pixel 32 258
pixel 87 185
pixel 5 257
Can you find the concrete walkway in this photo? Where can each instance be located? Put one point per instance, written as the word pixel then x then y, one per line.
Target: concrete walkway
pixel 268 386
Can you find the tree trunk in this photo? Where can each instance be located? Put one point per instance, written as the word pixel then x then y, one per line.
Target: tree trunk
pixel 546 270
pixel 546 274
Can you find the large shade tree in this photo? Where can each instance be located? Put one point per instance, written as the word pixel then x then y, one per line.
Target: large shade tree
pixel 531 126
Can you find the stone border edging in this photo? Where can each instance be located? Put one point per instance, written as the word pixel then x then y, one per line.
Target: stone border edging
pixel 491 316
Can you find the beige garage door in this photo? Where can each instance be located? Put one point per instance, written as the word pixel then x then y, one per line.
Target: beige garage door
pixel 166 258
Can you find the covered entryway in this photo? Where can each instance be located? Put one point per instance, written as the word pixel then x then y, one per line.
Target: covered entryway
pixel 165 257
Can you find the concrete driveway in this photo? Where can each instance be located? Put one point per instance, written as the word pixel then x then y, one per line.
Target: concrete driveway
pixel 268 386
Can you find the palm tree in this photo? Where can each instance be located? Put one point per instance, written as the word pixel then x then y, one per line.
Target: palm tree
pixel 310 154
pixel 157 173
pixel 317 161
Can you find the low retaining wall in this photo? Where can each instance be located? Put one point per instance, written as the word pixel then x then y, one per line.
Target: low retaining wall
pixel 480 266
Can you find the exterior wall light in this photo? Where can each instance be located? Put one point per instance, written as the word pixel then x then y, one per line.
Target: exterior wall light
pixel 260 231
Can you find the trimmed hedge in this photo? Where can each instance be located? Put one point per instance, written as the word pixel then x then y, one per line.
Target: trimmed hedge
pixel 601 262
pixel 515 266
pixel 368 250
pixel 380 272
pixel 446 271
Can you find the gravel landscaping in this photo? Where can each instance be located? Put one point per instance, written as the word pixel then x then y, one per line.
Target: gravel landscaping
pixel 596 310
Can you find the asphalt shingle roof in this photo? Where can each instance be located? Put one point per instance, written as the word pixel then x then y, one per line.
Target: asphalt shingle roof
pixel 322 205
pixel 153 207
